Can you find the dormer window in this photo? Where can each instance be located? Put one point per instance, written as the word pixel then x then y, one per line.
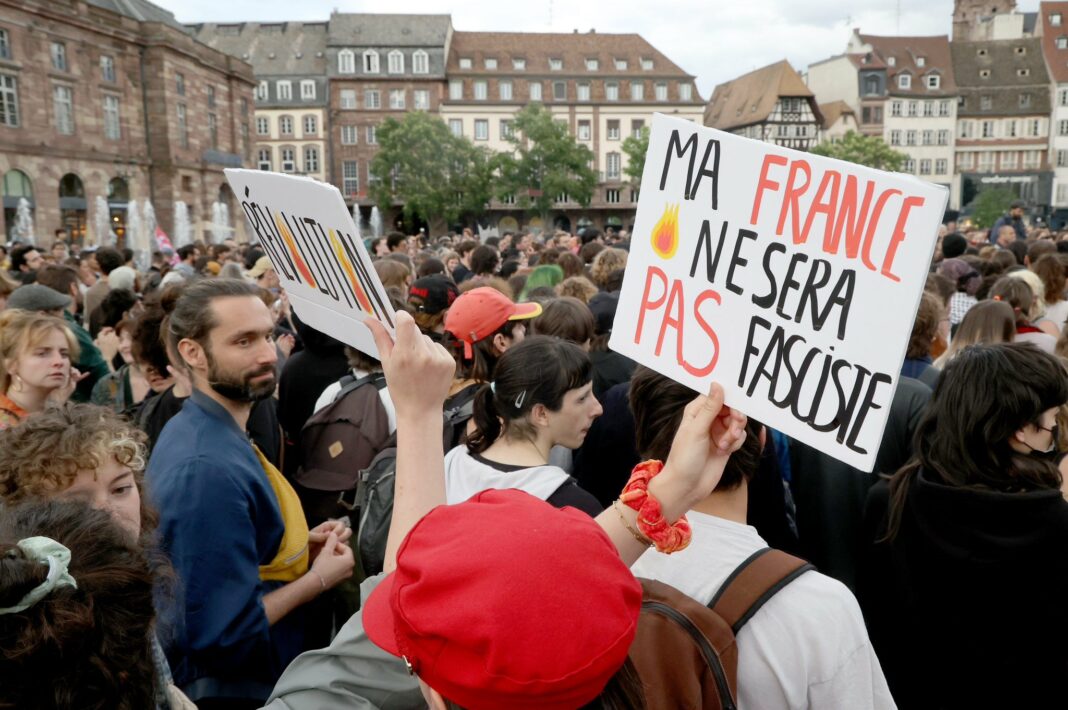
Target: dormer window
pixel 891 61
pixel 465 62
pixel 921 61
pixel 981 52
pixel 904 81
pixel 1020 51
pixel 1055 19
pixel 556 64
pixel 647 64
pixel 933 81
pixel 592 64
pixel 1023 72
pixel 621 65
pixel 984 73
pixel 490 63
pixel 519 64
pixel 1062 42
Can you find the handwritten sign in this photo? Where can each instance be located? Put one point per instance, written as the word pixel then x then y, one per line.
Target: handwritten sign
pixel 791 279
pixel 308 233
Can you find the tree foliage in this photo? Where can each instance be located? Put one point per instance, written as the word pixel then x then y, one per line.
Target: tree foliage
pixel 871 151
pixel 991 204
pixel 546 161
pixel 438 176
pixel 636 147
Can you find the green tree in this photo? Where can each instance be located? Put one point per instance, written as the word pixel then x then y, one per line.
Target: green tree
pixel 546 161
pixel 871 151
pixel 991 204
pixel 636 147
pixel 439 177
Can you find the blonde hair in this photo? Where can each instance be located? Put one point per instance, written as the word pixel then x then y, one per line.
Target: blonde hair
pixel 1034 281
pixel 607 262
pixel 578 287
pixel 22 330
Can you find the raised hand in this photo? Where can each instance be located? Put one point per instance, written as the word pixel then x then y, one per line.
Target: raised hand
pixel 418 371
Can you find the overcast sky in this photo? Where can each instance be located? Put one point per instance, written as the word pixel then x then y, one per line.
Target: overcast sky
pixel 716 40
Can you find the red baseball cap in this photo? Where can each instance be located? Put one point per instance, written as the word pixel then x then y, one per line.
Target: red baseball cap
pixel 506 601
pixel 481 312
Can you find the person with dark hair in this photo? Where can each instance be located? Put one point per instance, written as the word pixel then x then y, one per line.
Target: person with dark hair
pixel 187 259
pixel 480 326
pixel 127 386
pixel 589 252
pixel 118 305
pixel 566 318
pixel 108 259
pixel 230 522
pixel 430 298
pixel 25 261
pixel 484 261
pixel 1013 220
pixel 571 265
pixel 396 242
pixel 965 281
pixel 462 272
pixel 1050 270
pixel 925 329
pixel 807 646
pixel 976 521
pixel 431 266
pixel 540 397
pixel 953 245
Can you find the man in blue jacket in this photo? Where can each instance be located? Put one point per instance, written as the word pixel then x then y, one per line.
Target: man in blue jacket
pixel 231 524
pixel 1013 219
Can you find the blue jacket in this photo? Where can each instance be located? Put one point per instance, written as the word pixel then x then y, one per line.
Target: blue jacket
pixel 1014 222
pixel 219 521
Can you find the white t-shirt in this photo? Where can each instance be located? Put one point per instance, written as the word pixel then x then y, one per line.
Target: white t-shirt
pixel 387 401
pixel 465 476
pixel 807 647
pixel 1058 313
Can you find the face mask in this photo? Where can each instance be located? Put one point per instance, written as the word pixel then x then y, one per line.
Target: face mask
pixel 1051 454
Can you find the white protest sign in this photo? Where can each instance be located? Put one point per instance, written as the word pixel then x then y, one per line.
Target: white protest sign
pixel 791 279
pixel 308 233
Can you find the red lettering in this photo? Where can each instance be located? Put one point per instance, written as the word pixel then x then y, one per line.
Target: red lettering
pixel 765 183
pixel 646 303
pixel 874 224
pixel 899 235
pixel 826 203
pixel 674 302
pixel 790 197
pixel 850 219
pixel 707 369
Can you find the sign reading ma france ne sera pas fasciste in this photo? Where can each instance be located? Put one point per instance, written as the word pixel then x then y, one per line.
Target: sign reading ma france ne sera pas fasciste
pixel 790 279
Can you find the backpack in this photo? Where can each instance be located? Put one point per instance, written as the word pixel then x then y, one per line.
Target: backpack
pixel 337 442
pixel 685 652
pixel 373 500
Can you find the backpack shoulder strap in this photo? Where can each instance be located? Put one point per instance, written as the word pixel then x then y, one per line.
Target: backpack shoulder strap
pixel 753 583
pixel 350 384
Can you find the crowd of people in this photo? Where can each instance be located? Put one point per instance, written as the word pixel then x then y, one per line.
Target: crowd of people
pixel 193 480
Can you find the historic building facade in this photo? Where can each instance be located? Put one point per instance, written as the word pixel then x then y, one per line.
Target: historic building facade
pixel 114 104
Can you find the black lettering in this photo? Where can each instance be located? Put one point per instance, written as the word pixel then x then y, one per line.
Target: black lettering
pixel 817 278
pixel 705 172
pixel 789 283
pixel 737 260
pixel 711 263
pixel 768 300
pixel 869 404
pixel 680 151
pixel 841 296
pixel 749 348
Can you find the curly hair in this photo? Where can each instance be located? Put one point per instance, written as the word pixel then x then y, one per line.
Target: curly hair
pixel 22 330
pixel 84 647
pixel 578 287
pixel 605 263
pixel 42 456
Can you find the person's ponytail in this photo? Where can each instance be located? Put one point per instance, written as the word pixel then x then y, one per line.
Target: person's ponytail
pixel 487 421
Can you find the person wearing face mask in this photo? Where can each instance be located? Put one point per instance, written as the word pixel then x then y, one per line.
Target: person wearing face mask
pixel 969 551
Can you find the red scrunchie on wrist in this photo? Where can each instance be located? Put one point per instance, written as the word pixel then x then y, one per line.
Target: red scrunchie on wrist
pixel 651 523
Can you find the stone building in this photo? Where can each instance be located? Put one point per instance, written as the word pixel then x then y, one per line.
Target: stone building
pixel 980 20
pixel 770 104
pixel 1054 31
pixel 289 60
pixel 114 99
pixel 604 86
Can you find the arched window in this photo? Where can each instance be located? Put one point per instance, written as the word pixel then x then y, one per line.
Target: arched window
pixel 17 184
pixel 396 62
pixel 118 190
pixel 346 62
pixel 420 62
pixel 72 208
pixel 370 62
pixel 70 186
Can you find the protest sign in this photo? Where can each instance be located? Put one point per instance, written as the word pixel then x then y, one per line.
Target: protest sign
pixel 307 231
pixel 791 279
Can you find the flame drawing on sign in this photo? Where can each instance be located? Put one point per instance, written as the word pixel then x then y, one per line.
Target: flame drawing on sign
pixel 666 233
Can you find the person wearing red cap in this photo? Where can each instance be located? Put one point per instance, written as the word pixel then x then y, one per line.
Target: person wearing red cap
pixel 472 601
pixel 483 324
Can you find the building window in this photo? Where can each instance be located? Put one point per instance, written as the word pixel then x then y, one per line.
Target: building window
pixel 112 129
pixel 933 81
pixel 1062 42
pixel 909 166
pixel 489 63
pixel 9 101
pixel 63 98
pixel 904 81
pixel 941 166
pixel 263 126
pixel 584 130
pixel 891 61
pixel 1055 19
pixel 611 196
pixel 660 90
pixel 307 90
pixel 350 178
pixel 944 108
pixel 505 89
pixel 535 91
pixel 871 86
pixel 685 92
pixel 211 97
pixel 311 159
pixel 372 135
pixel 1062 128
pixel 636 126
pixel 456 89
pixel 372 99
pixel 928 108
pixel 263 157
pixel 559 90
pixel 613 163
pixel 5 45
pixel 611 91
pixel 348 98
pixel 179 83
pixel 261 91
pixel 927 137
pixel 871 114
pixel 647 64
pixel 311 126
pixel 782 130
pixel 556 64
pixel 986 103
pixel 465 62
pixel 283 90
pixel 914 108
pixel 1062 97
pixel 346 62
pixel 583 91
pixel 966 129
pixel 285 125
pixel 1062 161
pixel 506 129
pixel 1024 100
pixel 562 198
pixel 1036 127
pixel 984 73
pixel 370 62
pixel 480 90
pixel 921 61
pixel 910 137
pixel 396 99
pixel 481 129
pixel 621 64
pixel 59 56
pixel 895 108
pixel 395 62
pixel 895 137
pixel 613 129
pixel 987 129
pixel 1023 72
pixel 183 126
pixel 456 125
pixel 925 166
pixel 508 199
pixel 421 100
pixel 213 131
pixel 289 160
pixel 107 68
pixel 943 137
pixel 519 64
pixel 1010 129
pixel 1010 160
pixel 348 135
pixel 637 91
pixel 1032 159
pixel 1020 50
pixel 420 62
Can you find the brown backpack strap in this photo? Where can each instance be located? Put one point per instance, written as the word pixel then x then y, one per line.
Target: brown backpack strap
pixel 753 583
